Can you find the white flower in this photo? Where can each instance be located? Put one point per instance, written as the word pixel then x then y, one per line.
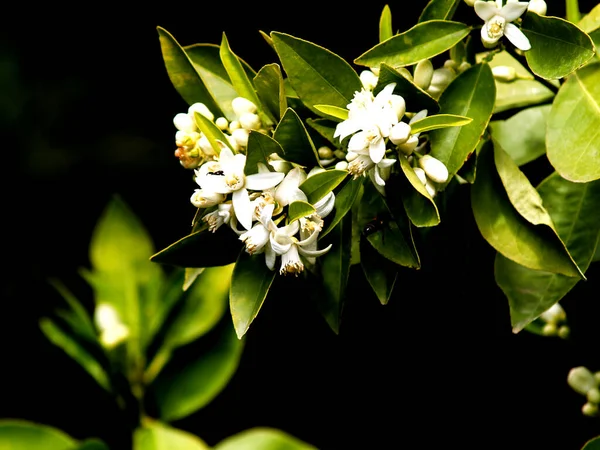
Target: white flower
pixel 288 190
pixel 581 380
pixel 434 168
pixel 368 79
pixel 554 314
pixel 226 176
pixel 425 180
pixel 218 217
pixel 498 20
pixel 401 134
pixel 112 330
pixel 201 198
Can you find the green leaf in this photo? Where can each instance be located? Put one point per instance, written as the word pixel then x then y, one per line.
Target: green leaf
pixel 438 121
pixel 507 231
pixel 76 351
pixel 270 88
pixel 335 268
pixel 575 210
pixel 181 389
pixel 154 435
pixel 439 10
pixel 18 434
pixel 325 128
pixel 260 147
pixel 551 39
pixel 423 41
pixel 413 95
pixel 523 135
pixel 591 21
pixel 293 137
pixel 202 249
pixel 385 24
pixel 320 184
pixel 470 94
pixel 344 200
pixel 333 111
pixel 250 284
pixel 318 76
pixel 183 75
pixel 92 444
pixel 262 438
pixel 420 207
pixel 215 136
pixel 592 444
pixel 81 316
pixel 573 123
pixel 380 272
pixel 299 209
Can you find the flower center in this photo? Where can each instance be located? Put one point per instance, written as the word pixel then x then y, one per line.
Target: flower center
pixel 495 28
pixel 234 181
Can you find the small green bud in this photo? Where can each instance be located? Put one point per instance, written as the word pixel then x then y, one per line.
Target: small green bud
pixel 564 332
pixel 222 123
pixel 341 165
pixel 581 380
pixel 339 154
pixel 593 396
pixel 325 152
pixel 549 330
pixel 590 409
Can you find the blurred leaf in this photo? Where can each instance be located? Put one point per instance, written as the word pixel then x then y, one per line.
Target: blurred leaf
pixel 592 444
pixel 93 444
pixel 191 274
pixel 470 94
pixel 344 200
pixel 260 146
pixel 291 134
pixel 250 284
pixel 523 135
pixel 320 184
pixel 318 76
pixel 180 391
pixel 575 120
pixel 385 24
pixel 413 95
pixel 551 39
pixel 80 317
pixel 18 434
pixel 155 435
pixel 298 209
pixel 380 272
pixel 438 121
pixel 271 90
pixel 419 205
pixel 439 10
pixel 76 351
pixel 591 21
pixel 262 438
pixel 423 41
pixel 501 225
pixel 202 249
pixel 575 210
pixel 183 75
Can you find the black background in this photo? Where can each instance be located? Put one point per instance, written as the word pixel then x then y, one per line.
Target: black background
pixel 86 112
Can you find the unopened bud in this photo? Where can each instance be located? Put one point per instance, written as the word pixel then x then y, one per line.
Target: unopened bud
pixel 538 7
pixel 368 79
pixel 351 156
pixel 241 105
pixel 241 136
pixel 375 70
pixel 554 314
pixel 564 332
pixel 434 168
pixel 408 147
pixel 222 123
pixel 325 152
pixel 341 165
pixel 581 380
pixel 430 188
pixel 470 2
pixel 205 146
pixel 442 77
pixel 339 154
pixel 400 133
pixel 233 143
pixel 184 122
pixel 463 66
pixel 234 125
pixel 398 105
pixel 250 121
pixel 423 73
pixel 504 74
pixel 421 175
pixel 451 64
pixel 279 165
pixel 201 109
pixel 203 199
pixel 590 409
pixel 405 72
pixel 593 396
pixel 549 329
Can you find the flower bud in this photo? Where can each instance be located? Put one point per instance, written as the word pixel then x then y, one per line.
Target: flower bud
pixel 205 146
pixel 339 154
pixel 241 136
pixel 593 396
pixel 434 168
pixel 351 156
pixel 564 332
pixel 421 174
pixel 442 77
pixel 341 165
pixel 554 314
pixel 233 143
pixel 504 74
pixel 234 125
pixel 463 66
pixel 241 105
pixel 398 105
pixel 368 79
pixel 405 72
pixel 279 165
pixel 325 152
pixel 250 121
pixel 408 147
pixel 112 330
pixel 400 133
pixel 222 123
pixel 470 2
pixel 203 199
pixel 184 122
pixel 201 109
pixel 430 188
pixel 451 65
pixel 185 139
pixel 581 380
pixel 549 329
pixel 538 7
pixel 590 409
pixel 423 73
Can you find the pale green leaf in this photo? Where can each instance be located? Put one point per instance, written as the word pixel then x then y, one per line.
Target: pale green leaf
pixel 320 184
pixel 385 24
pixel 419 205
pixel 262 438
pixel 299 209
pixel 438 121
pixel 215 136
pixel 270 88
pixel 333 111
pixel 591 21
pixel 155 435
pixel 439 10
pixel 16 434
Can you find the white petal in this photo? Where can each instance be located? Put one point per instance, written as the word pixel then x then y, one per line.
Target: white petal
pixel 270 257
pixel 242 206
pixel 380 189
pixel 215 183
pixel 325 205
pixel 513 10
pixel 516 36
pixel 346 128
pixel 291 229
pixel 377 150
pixel 288 191
pixel 486 10
pixel 279 248
pixel 487 41
pixel 225 156
pixel 309 240
pixel 377 177
pixel 314 252
pixel 358 142
pixel 418 116
pixel 260 181
pixel 386 162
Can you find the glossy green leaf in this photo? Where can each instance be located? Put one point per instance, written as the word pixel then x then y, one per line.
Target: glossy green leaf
pixel 16 434
pixel 299 209
pixel 260 147
pixel 551 39
pixel 270 89
pixel 333 111
pixel 523 135
pixel 534 246
pixel 325 128
pixel 420 207
pixel 470 94
pixel 154 435
pixel 573 147
pixel 423 41
pixel 439 10
pixel 320 184
pixel 180 390
pixel 183 75
pixel 293 137
pixel 380 272
pixel 76 351
pixel 344 200
pixel 318 76
pixel 596 256
pixel 215 136
pixel 385 24
pixel 591 21
pixel 191 274
pixel 335 268
pixel 592 444
pixel 415 97
pixel 575 210
pixel 92 444
pixel 438 121
pixel 262 438
pixel 202 249
pixel 250 285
